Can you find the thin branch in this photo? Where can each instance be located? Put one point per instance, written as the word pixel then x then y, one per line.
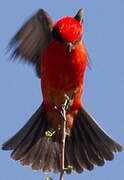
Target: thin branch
pixel 62 175
pixel 63 147
pixel 62 113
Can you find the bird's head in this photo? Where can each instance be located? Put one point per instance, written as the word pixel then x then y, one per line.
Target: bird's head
pixel 68 30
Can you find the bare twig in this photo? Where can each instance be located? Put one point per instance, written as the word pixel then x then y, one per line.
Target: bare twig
pixel 63 145
pixel 62 113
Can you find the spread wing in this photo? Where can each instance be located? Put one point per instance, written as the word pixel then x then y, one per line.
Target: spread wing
pixel 32 38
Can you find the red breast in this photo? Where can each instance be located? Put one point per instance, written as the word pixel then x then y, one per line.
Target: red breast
pixel 62 72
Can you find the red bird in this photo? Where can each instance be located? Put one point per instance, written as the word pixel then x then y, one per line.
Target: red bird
pixel 60 58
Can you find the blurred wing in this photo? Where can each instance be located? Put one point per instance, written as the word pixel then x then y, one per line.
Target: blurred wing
pixel 32 38
pixel 89 60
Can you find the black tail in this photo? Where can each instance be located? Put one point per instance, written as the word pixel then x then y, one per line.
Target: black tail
pixel 32 147
pixel 88 144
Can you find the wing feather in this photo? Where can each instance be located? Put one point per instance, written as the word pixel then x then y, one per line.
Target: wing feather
pixel 32 38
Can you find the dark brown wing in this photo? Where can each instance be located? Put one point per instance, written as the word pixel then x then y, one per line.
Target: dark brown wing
pixel 31 39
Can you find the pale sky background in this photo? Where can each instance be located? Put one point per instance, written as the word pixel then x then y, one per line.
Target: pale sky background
pixel 20 93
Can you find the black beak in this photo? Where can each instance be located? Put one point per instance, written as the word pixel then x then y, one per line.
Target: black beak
pixel 69 46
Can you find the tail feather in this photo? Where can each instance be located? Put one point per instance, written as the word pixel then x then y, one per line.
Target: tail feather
pixel 95 142
pixel 91 144
pixel 30 138
pixel 80 152
pixel 70 154
pixel 43 155
pixel 89 151
pixel 18 138
pixel 31 156
pixel 86 146
pixel 108 141
pixel 40 160
pixel 57 158
pixel 49 160
pixel 32 147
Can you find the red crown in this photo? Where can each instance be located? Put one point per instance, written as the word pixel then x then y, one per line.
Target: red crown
pixel 69 29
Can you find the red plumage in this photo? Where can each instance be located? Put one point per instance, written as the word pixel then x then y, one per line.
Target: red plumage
pixel 69 28
pixel 60 58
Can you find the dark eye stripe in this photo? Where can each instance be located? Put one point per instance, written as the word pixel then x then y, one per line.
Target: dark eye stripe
pixel 57 36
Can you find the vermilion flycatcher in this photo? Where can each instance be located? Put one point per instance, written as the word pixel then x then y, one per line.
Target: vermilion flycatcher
pixel 58 53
